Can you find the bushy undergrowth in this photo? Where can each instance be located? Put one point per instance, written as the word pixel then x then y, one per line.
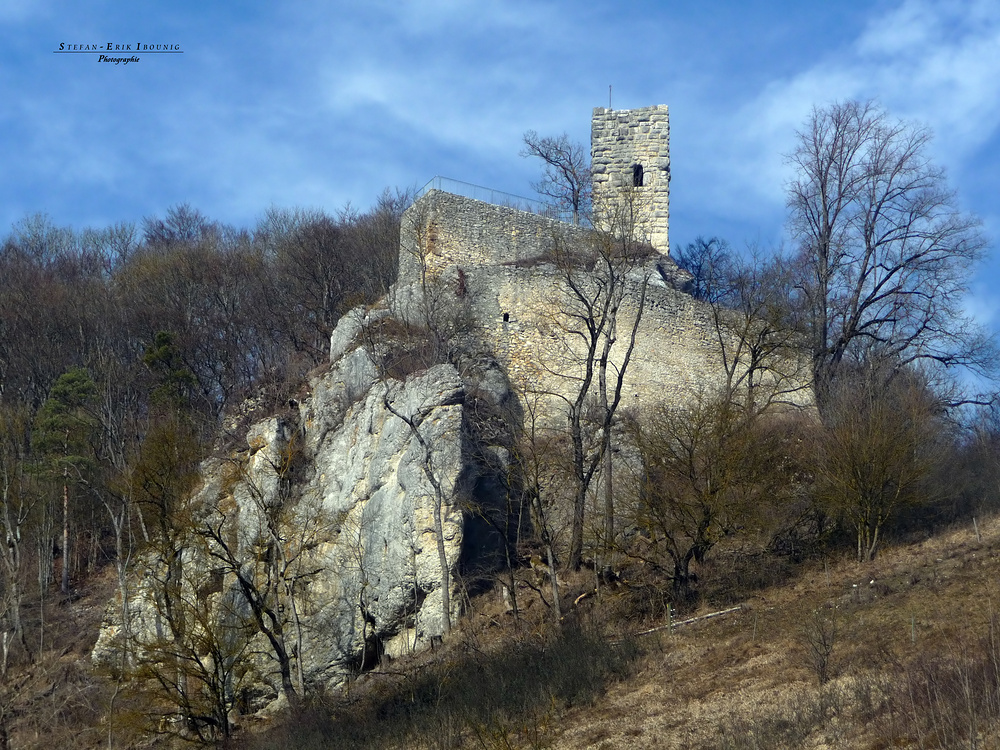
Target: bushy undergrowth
pixel 935 701
pixel 486 699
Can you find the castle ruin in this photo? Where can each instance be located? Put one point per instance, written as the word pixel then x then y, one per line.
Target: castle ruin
pixel 387 471
pixel 498 258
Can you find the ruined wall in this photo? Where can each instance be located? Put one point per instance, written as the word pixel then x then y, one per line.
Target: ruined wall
pixel 518 301
pixel 676 355
pixel 448 231
pixel 631 148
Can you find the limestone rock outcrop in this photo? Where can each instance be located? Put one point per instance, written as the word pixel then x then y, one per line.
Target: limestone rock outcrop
pixel 342 499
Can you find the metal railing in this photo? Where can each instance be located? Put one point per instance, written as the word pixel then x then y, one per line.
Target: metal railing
pixel 496 197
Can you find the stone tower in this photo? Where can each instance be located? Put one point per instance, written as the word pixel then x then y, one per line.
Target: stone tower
pixel 631 147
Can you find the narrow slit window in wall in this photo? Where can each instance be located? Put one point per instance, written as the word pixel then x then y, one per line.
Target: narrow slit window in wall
pixel 636 175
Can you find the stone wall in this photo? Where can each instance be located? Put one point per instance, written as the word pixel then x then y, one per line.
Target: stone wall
pixel 622 140
pixel 493 259
pixel 523 311
pixel 526 314
pixel 448 231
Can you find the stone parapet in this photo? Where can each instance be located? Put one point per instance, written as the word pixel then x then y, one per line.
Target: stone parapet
pixel 442 230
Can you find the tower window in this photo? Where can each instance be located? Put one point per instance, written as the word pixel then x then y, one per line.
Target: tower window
pixel 636 175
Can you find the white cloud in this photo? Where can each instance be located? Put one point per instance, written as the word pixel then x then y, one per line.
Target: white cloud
pixel 934 61
pixel 463 76
pixel 938 62
pixel 431 16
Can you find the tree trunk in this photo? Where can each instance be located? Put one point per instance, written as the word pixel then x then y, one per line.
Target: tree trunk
pixel 65 550
pixel 443 561
pixel 557 610
pixel 609 507
pixel 576 536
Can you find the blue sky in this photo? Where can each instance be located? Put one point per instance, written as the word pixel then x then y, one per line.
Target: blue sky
pixel 315 104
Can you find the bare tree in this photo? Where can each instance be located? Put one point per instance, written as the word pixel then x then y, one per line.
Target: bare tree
pixel 536 457
pixel 884 252
pixel 429 468
pixel 877 453
pixel 598 281
pixel 710 262
pixel 16 503
pixel 710 470
pixel 566 177
pixel 267 549
pixel 426 332
pixel 722 463
pixel 196 657
pixel 753 322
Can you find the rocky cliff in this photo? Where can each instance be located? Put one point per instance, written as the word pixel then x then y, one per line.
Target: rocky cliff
pixel 331 516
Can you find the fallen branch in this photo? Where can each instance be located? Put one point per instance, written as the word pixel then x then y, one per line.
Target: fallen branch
pixel 672 625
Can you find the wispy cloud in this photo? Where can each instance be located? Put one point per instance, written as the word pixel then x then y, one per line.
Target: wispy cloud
pixel 939 62
pixel 933 61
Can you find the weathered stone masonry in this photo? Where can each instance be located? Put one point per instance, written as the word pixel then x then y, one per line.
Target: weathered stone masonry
pixel 517 304
pixel 495 254
pixel 459 232
pixel 631 148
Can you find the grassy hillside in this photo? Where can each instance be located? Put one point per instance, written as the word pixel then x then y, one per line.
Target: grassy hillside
pixel 902 652
pixel 910 647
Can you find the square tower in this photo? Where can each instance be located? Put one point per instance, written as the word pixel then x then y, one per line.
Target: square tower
pixel 631 148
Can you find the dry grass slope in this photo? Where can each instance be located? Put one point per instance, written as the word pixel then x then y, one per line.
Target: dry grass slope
pixel 902 652
pixel 912 660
